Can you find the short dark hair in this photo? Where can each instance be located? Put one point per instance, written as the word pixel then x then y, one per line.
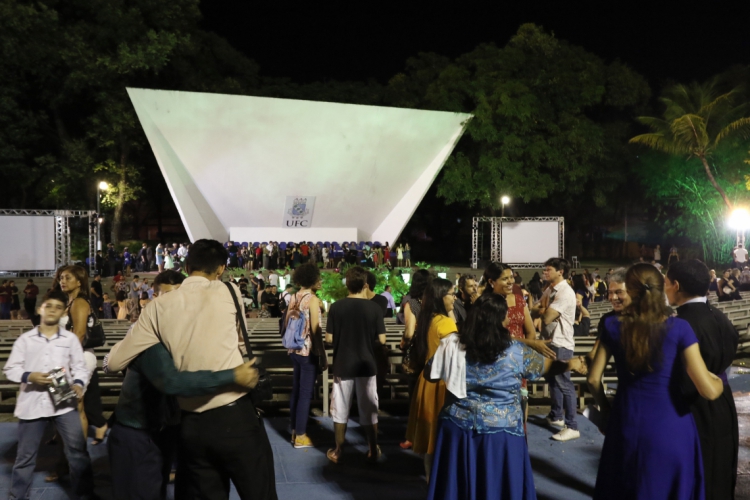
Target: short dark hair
pixel 168 277
pixel 463 279
pixel 306 275
pixel 206 256
pixel 57 295
pixel 372 280
pixel 692 275
pixel 561 265
pixel 29 280
pixel 144 295
pixel 356 277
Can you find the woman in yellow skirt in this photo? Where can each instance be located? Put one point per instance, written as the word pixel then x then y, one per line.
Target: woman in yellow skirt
pixel 435 321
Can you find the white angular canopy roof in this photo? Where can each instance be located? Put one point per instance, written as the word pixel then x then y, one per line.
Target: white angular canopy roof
pixel 230 162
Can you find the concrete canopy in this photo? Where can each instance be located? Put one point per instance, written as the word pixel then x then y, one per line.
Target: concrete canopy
pixel 230 162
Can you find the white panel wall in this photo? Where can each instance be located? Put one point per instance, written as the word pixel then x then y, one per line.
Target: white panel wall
pixel 231 161
pixel 530 241
pixel 27 243
pixel 261 234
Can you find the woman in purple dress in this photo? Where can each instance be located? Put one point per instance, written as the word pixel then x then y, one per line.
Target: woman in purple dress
pixel 652 449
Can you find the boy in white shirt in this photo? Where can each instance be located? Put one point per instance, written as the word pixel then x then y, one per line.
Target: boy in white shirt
pixel 34 355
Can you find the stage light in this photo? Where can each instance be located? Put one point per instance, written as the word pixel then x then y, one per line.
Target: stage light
pixel 101 219
pixel 739 219
pixel 103 186
pixel 505 200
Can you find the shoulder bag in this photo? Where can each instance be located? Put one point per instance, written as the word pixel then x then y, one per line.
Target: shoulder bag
pixel 264 390
pixel 94 330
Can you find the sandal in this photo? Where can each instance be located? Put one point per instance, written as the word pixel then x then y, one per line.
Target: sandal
pixel 52 477
pixel 374 460
pixel 332 456
pixel 406 445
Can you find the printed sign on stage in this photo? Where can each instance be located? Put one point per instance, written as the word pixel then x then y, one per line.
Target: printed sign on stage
pixel 298 211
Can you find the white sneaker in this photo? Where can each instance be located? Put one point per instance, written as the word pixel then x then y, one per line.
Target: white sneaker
pixel 555 423
pixel 566 434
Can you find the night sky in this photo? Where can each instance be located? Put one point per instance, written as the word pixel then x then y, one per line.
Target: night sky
pixel 310 41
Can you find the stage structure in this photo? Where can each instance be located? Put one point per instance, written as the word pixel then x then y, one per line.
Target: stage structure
pixel 37 242
pixel 254 169
pixel 521 242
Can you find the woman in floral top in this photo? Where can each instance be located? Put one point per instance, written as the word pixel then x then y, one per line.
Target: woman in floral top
pixel 481 450
pixel 306 277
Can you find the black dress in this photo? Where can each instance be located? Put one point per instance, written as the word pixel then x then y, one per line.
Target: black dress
pixel 716 420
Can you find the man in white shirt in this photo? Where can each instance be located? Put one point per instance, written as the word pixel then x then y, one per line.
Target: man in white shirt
pixel 557 309
pixel 740 256
pixel 34 355
pixel 273 278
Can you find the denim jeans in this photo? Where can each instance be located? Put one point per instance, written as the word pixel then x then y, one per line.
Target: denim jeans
pixel 30 433
pixel 563 392
pixel 4 310
pixel 303 384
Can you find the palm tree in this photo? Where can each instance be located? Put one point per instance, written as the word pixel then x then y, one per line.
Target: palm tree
pixel 696 120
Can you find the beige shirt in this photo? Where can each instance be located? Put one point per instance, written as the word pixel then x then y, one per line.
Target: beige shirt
pixel 198 324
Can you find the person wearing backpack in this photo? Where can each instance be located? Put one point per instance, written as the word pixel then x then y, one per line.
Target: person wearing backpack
pixel 601 289
pixel 303 320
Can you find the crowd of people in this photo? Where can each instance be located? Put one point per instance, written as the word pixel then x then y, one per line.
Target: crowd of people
pixel 469 349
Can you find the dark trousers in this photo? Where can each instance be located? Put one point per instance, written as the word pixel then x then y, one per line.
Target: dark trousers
pixel 563 392
pixel 92 402
pixel 4 310
pixel 141 461
pixel 30 433
pixel 30 306
pixel 303 385
pixel 223 444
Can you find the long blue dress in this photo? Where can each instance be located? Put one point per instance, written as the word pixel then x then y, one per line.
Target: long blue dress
pixel 481 450
pixel 651 447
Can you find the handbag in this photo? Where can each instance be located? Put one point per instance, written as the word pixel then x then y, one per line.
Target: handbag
pixel 95 336
pixel 264 390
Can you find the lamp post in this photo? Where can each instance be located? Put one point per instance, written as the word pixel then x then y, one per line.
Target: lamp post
pixel 739 220
pixel 102 186
pixel 504 200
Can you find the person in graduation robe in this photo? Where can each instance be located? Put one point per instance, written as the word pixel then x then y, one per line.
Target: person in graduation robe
pixel 686 287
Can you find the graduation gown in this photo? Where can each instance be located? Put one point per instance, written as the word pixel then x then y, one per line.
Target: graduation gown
pixel 716 420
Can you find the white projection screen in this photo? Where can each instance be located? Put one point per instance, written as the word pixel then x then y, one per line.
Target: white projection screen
pixel 27 243
pixel 530 242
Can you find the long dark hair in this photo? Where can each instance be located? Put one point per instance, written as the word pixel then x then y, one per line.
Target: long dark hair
pixel 419 283
pixel 432 304
pixel 643 321
pixel 493 272
pixel 483 335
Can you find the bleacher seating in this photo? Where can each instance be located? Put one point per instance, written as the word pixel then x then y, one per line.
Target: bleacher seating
pixel 266 344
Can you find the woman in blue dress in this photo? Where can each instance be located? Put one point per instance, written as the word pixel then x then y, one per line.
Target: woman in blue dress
pixel 651 449
pixel 481 450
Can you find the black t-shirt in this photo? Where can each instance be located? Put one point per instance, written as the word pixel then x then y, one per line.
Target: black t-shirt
pixel 271 300
pixel 355 325
pixel 97 286
pixel 382 302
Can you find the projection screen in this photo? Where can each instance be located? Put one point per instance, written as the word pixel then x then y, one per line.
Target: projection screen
pixel 27 243
pixel 530 242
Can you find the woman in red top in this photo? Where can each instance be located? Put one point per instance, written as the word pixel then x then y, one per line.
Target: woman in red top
pixel 498 278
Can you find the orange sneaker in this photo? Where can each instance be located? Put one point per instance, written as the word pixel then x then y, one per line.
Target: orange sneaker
pixel 303 442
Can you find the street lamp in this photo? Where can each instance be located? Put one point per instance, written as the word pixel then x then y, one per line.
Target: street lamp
pixel 103 186
pixel 504 200
pixel 739 220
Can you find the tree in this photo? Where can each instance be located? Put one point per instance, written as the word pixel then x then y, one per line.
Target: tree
pixel 697 119
pixel 549 118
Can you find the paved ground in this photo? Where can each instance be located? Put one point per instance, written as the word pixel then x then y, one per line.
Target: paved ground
pixel 561 470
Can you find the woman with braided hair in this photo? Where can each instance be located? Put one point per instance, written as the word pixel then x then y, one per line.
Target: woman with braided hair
pixel 652 448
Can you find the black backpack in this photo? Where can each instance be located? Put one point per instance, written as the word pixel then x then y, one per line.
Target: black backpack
pixel 601 288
